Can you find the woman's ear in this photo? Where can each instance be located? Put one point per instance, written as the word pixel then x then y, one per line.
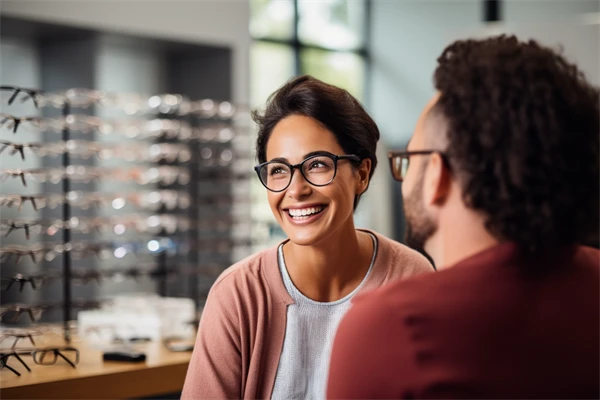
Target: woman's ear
pixel 363 171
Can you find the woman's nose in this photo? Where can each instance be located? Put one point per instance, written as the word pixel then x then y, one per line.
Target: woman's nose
pixel 299 186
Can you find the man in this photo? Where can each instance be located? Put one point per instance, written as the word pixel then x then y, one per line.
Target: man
pixel 501 188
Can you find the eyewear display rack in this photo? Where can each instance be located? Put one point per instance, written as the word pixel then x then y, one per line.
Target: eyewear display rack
pixel 216 169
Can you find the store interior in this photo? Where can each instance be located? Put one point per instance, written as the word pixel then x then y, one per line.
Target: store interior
pixel 127 154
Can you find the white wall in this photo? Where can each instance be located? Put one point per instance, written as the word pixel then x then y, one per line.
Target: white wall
pixel 196 21
pixel 522 11
pixel 406 38
pixel 577 40
pixel 408 35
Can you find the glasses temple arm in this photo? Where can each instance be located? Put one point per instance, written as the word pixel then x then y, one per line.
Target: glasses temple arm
pixel 22 362
pixel 58 353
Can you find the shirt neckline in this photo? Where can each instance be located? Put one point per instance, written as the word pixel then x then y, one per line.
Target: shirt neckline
pixel 298 296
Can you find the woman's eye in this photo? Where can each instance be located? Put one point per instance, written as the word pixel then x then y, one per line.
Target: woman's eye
pixel 277 171
pixel 317 164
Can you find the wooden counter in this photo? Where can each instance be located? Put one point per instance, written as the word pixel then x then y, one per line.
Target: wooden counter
pixel 162 373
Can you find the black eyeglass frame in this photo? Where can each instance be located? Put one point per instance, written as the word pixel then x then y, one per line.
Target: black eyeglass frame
pixel 39 355
pixel 392 155
pixel 335 158
pixel 4 362
pixel 31 94
pixel 36 282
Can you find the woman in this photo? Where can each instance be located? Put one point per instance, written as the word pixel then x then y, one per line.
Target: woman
pixel 269 321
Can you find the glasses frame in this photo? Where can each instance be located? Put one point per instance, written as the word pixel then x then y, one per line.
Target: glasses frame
pixel 39 355
pixel 34 312
pixel 335 158
pixel 405 155
pixel 8 333
pixel 31 94
pixel 36 282
pixel 4 362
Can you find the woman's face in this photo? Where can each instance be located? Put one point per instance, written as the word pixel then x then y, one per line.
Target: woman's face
pixel 307 213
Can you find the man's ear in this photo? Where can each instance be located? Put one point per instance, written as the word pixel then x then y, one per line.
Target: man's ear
pixel 436 187
pixel 363 170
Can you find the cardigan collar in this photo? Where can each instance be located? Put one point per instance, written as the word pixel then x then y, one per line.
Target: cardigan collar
pixel 274 280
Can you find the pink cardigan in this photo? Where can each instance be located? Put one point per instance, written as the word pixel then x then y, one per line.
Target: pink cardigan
pixel 242 328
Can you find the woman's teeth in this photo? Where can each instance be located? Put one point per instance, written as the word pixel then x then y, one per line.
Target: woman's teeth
pixel 304 212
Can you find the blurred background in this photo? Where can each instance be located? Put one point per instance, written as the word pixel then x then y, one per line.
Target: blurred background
pixel 233 54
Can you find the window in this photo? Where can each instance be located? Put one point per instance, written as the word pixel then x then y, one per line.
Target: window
pixel 324 38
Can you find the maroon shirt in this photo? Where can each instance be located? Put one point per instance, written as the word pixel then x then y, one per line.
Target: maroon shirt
pixel 484 328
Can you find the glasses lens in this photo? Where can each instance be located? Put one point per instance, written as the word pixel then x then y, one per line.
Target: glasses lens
pixel 399 165
pixel 403 167
pixel 44 357
pixel 275 176
pixel 36 314
pixel 319 170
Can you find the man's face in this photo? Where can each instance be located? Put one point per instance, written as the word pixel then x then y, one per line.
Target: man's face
pixel 421 224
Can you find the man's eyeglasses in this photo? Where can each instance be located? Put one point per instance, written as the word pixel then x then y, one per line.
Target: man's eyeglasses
pixel 400 160
pixel 318 170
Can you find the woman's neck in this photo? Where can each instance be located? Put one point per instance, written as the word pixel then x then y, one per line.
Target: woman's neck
pixel 331 269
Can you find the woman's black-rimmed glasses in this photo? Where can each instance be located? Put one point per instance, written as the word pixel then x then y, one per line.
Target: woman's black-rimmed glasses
pixel 318 170
pixel 399 161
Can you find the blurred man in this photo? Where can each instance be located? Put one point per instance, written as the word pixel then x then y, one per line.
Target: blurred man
pixel 501 185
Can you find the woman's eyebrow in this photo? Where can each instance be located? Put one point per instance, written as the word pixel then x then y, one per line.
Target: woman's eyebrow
pixel 307 155
pixel 279 159
pixel 317 153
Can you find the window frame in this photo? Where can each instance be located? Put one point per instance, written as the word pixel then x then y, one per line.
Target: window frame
pixel 298 46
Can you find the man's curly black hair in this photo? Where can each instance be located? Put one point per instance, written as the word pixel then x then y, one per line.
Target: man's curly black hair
pixel 523 130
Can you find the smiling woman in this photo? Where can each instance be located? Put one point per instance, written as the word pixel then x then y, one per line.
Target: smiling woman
pixel 269 321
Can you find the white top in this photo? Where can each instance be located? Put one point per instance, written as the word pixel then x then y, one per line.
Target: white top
pixel 310 329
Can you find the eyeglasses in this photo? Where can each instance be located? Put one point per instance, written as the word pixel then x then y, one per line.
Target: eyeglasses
pixel 13 92
pixel 79 98
pixel 118 225
pixel 130 128
pixel 156 152
pixel 400 160
pixel 36 281
pixel 83 276
pixel 147 200
pixel 4 362
pixel 18 334
pixel 318 170
pixel 49 356
pixel 80 250
pixel 167 175
pixel 131 103
pixel 12 312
